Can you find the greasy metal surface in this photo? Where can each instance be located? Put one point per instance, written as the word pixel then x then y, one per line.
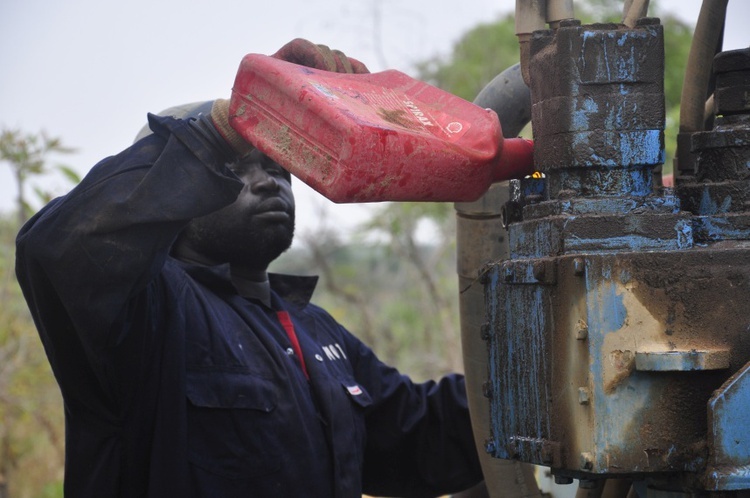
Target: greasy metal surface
pixel 681 361
pixel 729 438
pixel 479 240
pixel 732 70
pixel 622 307
pixel 585 398
pixel 719 191
pixel 598 106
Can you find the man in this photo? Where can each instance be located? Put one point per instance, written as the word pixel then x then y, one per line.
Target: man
pixel 186 369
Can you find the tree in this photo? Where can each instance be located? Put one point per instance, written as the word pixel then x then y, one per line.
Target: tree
pixel 431 280
pixel 393 290
pixel 476 58
pixel 27 155
pixel 31 415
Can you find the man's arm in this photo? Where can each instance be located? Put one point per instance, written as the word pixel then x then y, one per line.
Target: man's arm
pixel 419 437
pixel 96 247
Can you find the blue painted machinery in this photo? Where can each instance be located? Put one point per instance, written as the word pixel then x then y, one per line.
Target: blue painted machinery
pixel 618 328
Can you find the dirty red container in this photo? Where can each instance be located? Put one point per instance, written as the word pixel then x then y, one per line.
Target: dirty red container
pixel 372 137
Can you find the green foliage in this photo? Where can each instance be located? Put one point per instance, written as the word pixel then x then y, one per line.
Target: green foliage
pixel 31 415
pixel 394 290
pixel 677 40
pixel 476 58
pixel 27 155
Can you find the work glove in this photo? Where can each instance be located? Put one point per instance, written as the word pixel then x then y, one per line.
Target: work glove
pixel 297 51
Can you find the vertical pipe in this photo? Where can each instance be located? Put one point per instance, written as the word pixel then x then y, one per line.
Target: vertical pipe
pixel 706 41
pixel 635 10
pixel 481 239
pixel 531 15
pixel 557 10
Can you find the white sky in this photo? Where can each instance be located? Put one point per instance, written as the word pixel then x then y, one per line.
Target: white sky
pixel 88 71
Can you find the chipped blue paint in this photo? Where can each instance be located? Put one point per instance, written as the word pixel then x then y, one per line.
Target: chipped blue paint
pixel 737 480
pixel 533 240
pixel 684 229
pixel 606 313
pixel 618 408
pixel 625 276
pixel 709 205
pixel 619 67
pixel 729 418
pixel 683 240
pixel 632 148
pixel 716 228
pixel 608 175
pixel 642 147
pixel 607 308
pixel 667 204
pixel 518 365
pixel 580 117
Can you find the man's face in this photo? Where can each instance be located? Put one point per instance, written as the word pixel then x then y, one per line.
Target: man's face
pixel 257 227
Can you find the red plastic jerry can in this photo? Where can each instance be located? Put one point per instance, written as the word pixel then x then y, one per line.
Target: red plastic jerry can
pixel 372 137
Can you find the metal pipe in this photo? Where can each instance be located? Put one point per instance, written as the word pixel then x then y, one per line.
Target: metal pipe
pixel 531 15
pixel 707 41
pixel 634 10
pixel 481 239
pixel 557 10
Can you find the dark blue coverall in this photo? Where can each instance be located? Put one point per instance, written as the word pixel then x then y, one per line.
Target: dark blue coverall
pixel 176 386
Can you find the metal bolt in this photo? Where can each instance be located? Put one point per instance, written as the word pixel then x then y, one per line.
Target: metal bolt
pixel 582 332
pixel 509 276
pixel 587 460
pixel 487 389
pixel 584 395
pixel 579 266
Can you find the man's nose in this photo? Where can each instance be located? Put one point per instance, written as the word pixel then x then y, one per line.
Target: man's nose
pixel 262 181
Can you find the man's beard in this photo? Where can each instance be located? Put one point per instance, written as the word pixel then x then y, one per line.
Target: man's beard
pixel 253 245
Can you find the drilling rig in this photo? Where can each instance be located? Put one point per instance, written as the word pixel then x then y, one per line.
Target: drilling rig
pixel 605 316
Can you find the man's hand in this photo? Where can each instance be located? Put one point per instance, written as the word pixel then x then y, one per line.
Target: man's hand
pixel 307 53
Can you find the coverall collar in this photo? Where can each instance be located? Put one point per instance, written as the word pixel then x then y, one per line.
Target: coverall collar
pixel 294 289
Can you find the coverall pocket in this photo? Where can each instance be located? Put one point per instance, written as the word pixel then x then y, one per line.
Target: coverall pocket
pixel 231 426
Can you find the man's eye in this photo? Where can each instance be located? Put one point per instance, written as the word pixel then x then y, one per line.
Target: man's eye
pixel 237 169
pixel 278 172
